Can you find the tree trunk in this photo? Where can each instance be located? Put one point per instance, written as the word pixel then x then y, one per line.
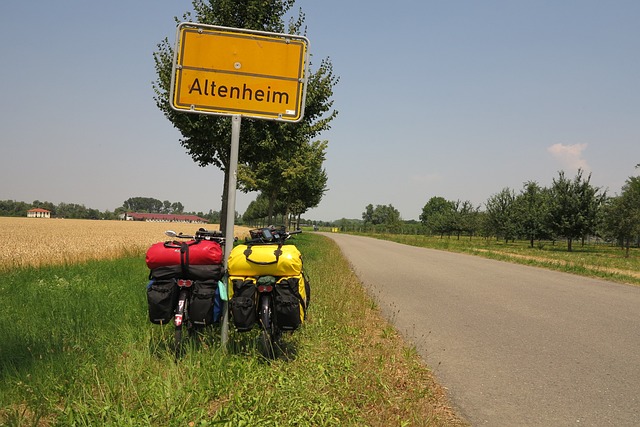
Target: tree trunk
pixel 272 202
pixel 569 245
pixel 626 253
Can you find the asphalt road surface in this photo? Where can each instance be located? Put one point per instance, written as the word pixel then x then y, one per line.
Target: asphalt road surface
pixel 514 345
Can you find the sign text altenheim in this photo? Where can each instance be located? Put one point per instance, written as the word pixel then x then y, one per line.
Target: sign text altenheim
pixel 229 71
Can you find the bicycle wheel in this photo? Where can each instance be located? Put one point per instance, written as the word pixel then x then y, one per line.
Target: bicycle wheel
pixel 266 340
pixel 178 343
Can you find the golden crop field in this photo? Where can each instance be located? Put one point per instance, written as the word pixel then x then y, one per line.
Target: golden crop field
pixel 43 241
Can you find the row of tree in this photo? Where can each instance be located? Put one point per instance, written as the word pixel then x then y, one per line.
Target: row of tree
pixel 381 214
pixel 151 205
pixel 76 211
pixel 61 210
pixel 570 209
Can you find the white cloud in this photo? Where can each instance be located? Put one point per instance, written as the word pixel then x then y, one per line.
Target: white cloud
pixel 570 156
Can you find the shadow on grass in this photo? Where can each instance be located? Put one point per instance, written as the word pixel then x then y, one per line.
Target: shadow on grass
pixel 161 342
pixel 248 343
pixel 18 355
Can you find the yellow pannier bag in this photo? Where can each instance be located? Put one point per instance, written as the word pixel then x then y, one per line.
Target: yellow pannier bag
pixel 265 260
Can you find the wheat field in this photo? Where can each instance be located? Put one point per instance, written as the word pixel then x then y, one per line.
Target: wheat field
pixel 34 242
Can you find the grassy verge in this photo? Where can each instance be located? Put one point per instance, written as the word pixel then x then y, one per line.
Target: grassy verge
pixel 78 350
pixel 600 261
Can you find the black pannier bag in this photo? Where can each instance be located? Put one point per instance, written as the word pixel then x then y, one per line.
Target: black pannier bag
pixel 162 297
pixel 243 304
pixel 290 307
pixel 205 305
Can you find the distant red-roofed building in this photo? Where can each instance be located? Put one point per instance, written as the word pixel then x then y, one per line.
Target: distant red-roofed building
pixel 155 217
pixel 38 213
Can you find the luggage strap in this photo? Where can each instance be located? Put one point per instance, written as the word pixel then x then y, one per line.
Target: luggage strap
pixel 184 258
pixel 184 253
pixel 277 253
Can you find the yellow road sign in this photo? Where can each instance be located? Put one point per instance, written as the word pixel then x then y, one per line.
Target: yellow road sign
pixel 228 71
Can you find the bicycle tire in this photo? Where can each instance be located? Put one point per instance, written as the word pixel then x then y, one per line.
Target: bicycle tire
pixel 267 327
pixel 179 329
pixel 178 350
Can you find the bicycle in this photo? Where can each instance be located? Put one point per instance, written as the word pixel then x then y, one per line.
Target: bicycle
pixel 185 283
pixel 268 287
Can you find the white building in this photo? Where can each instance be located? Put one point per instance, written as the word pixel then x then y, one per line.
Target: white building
pixel 38 213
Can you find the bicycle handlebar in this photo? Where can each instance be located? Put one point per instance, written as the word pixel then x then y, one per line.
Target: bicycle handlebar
pixel 201 234
pixel 270 235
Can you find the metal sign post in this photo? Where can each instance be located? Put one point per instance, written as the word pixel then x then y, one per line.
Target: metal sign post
pixel 237 72
pixel 231 213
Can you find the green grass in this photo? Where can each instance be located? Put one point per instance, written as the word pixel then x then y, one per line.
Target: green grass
pixel 78 350
pixel 592 260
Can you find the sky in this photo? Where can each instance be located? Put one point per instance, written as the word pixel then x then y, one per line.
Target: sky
pixel 457 99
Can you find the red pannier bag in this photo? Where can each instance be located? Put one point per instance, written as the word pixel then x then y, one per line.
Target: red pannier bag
pixel 192 252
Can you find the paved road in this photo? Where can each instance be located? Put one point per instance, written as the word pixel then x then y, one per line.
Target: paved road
pixel 515 345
